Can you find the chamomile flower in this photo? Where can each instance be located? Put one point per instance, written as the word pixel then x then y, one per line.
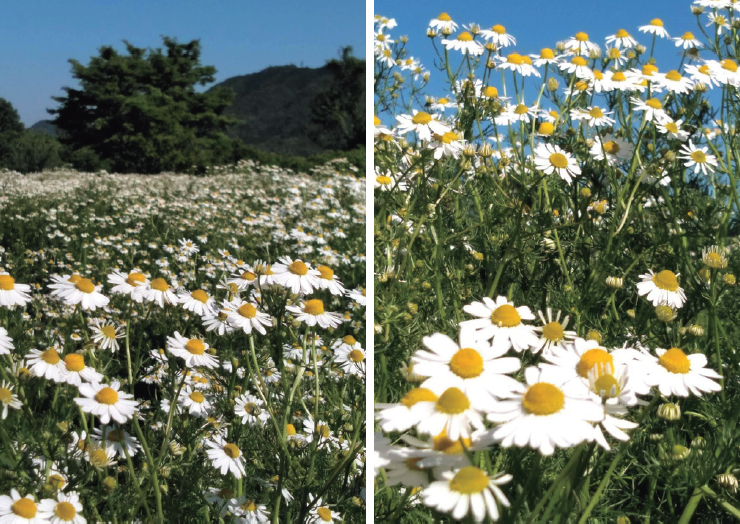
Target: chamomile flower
pixel 726 71
pixel 6 343
pixel 296 275
pixel 351 359
pixel 673 130
pixel 553 332
pixel 452 413
pixel 655 27
pixel 612 149
pixel 400 416
pixel 714 257
pixel 545 415
pixel 448 144
pixel 674 82
pixel 86 294
pixel 66 508
pixel 501 321
pixel 580 44
pixel 8 399
pixel 577 66
pixel 321 512
pixel 107 402
pixel 194 351
pixel 199 302
pixel 698 158
pixel 676 373
pixel 76 371
pixel 443 21
pixel 15 509
pixel 549 159
pixel 133 284
pixel 116 440
pixel 247 317
pixel 593 116
pixel 249 408
pixel 247 511
pixel 687 41
pixel 195 402
pixel 661 288
pixel 225 456
pixel 653 109
pixel 479 370
pixel 465 43
pixel 47 364
pixel 312 313
pixel 422 123
pixel 106 335
pixel 546 56
pixel 469 490
pixel 621 39
pixel 328 280
pixel 160 292
pixel 521 64
pixel 12 294
pixel 498 36
pixel 719 21
pixel 387 181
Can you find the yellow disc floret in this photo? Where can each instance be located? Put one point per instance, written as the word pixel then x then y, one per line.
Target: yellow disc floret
pixel 543 399
pixel 453 402
pixel 666 280
pixel 594 357
pixel 675 361
pixel 506 316
pixel 466 363
pixel 469 480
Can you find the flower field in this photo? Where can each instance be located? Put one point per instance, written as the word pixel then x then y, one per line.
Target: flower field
pixel 183 349
pixel 556 252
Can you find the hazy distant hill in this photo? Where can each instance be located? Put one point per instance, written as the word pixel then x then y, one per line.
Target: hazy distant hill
pixel 45 126
pixel 273 106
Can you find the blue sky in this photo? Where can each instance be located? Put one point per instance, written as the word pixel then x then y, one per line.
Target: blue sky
pixel 537 24
pixel 237 37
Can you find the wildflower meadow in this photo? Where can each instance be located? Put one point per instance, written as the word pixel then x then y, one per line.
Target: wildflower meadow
pixel 556 254
pixel 179 348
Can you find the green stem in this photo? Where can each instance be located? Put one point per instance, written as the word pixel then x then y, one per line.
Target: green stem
pixel 690 508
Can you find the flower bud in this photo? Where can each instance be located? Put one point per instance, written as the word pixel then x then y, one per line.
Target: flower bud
pixel 109 484
pixel 553 84
pixel 631 313
pixel 728 481
pixel 696 330
pixel 615 282
pixel 665 313
pixel 697 10
pixel 669 411
pixel 729 279
pixel 585 192
pixel 594 335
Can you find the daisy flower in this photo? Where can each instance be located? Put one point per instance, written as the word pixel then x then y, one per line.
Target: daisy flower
pixel 544 416
pixel 351 359
pixel 116 440
pixel 322 513
pixel 328 280
pixel 580 44
pixel 400 416
pixel 594 116
pixel 498 36
pixel 546 56
pixel 358 295
pixel 708 74
pixel 465 43
pixel 621 39
pixel 199 302
pixel 321 430
pixel 225 456
pixel 247 511
pixel 674 82
pixel 676 373
pixel 475 367
pixel 134 284
pixel 613 150
pixel 245 316
pixel 662 288
pixel 66 508
pixel 86 294
pixel 422 123
pixel 296 276
pixel 6 343
pixel 188 246
pixel 653 109
pixel 249 408
pixel 687 41
pixel 107 402
pixel 673 130
pixel 714 257
pixel 502 322
pixel 577 66
pixel 726 71
pixel 549 158
pixel 655 27
pixel 76 371
pixel 17 510
pixel 553 332
pixel 613 390
pixel 194 401
pixel 106 335
pixel 243 278
pixel 452 413
pixel 312 313
pixel 469 490
pixel 618 80
pixel 47 364
pixel 521 64
pixel 448 144
pixel 388 181
pixel 193 350
pixel 718 20
pixel 160 292
pixel 697 158
pixel 443 21
pixel 12 294
pixel 8 399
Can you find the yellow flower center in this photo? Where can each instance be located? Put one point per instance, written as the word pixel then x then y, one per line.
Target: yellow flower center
pixel 704 69
pixel 543 399
pixel 666 279
pixel 377 121
pixel 578 61
pixel 688 35
pixel 657 22
pixel 649 69
pixel 547 53
pixel 729 64
pixel 611 147
pixel 622 34
pixel 614 53
pixel 596 112
pixel 418 395
pixel 521 109
pixel 24 508
pixel 699 157
pixel 546 128
pixel 249 506
pixel 619 77
pixel 108 331
pixel 7 283
pixel 326 272
pixel 499 29
pixel 581 85
pixel 232 451
pixel 314 307
pixel 290 429
pixel 582 37
pixel 553 332
pixel 672 127
pixel 107 396
pixel 349 340
pixel 444 17
pixel 383 180
pixel 195 346
pixel 594 357
pixel 197 396
pixel 449 136
pixel 715 260
pixel 452 447
pixel 466 363
pixel 98 457
pixel 422 118
pixel 515 58
pixel 325 513
pixel 598 75
pixel 160 284
pixel 453 402
pixel 5 396
pixel 134 279
pixel 85 285
pixel 605 383
pixel 247 311
pixel 506 315
pixel 490 92
pixel 356 356
pixel 469 480
pixel 675 361
pixel 323 430
pixel 74 362
pixel 673 75
pixel 465 37
pixel 298 268
pixel 200 295
pixel 654 103
pixel 65 511
pixel 50 356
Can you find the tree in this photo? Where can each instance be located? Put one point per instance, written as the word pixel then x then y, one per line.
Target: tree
pixel 11 129
pixel 339 112
pixel 140 112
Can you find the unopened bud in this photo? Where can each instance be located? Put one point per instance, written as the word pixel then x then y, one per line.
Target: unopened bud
pixel 729 279
pixel 728 481
pixel 665 313
pixel 594 335
pixel 669 411
pixel 696 330
pixel 553 84
pixel 109 484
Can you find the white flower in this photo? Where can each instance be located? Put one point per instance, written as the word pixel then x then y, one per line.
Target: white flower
pixel 613 150
pixel 15 509
pixel 8 399
pixel 498 36
pixel 199 302
pixel 452 413
pixel 84 293
pixel 465 43
pixel 159 291
pixel 12 294
pixel 400 416
pixel 653 109
pixel 225 456
pixel 312 313
pixel 76 371
pixel 698 158
pixel 116 440
pixel 662 289
pixel 6 343
pixel 105 335
pixel 502 322
pixel 107 402
pixel 621 39
pixel 296 276
pixel 245 316
pixel 249 408
pixel 676 373
pixel 47 364
pixel 193 350
pixel 468 490
pixel 549 159
pixel 66 508
pixel 443 21
pixel 655 28
pixel 422 123
pixel 134 284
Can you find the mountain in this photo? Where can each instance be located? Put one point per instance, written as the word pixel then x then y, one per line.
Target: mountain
pixel 45 126
pixel 274 108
